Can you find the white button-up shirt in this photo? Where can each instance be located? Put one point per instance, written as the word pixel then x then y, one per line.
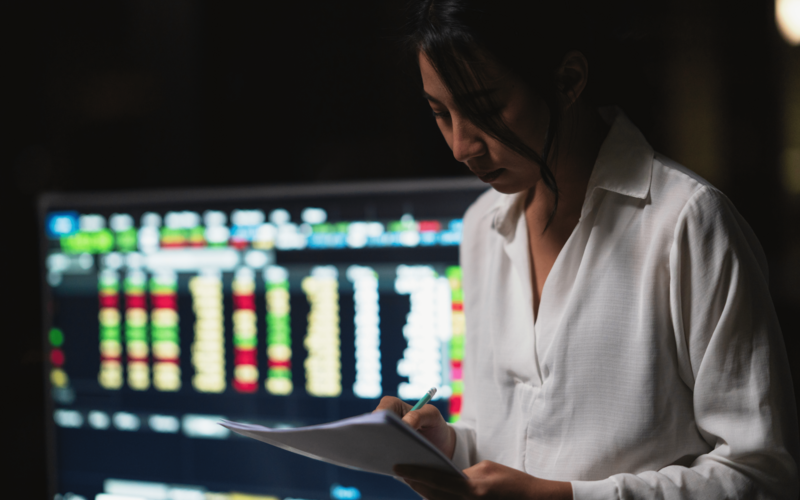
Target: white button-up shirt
pixel 655 367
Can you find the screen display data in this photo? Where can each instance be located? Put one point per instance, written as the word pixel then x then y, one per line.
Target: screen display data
pixel 283 307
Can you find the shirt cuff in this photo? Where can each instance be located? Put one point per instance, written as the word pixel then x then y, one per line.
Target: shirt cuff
pixel 595 490
pixel 461 452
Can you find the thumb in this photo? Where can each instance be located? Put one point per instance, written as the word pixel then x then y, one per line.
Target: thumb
pixel 427 416
pixel 394 405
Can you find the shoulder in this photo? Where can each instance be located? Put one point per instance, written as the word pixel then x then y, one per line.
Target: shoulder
pixel 693 198
pixel 676 185
pixel 478 237
pixel 684 197
pixel 478 216
pixel 703 219
pixel 482 206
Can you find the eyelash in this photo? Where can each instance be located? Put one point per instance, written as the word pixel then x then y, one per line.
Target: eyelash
pixel 446 114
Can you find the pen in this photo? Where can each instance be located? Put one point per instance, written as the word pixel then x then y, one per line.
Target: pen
pixel 427 397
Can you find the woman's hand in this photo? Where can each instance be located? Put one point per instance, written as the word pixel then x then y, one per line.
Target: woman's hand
pixel 486 480
pixel 428 421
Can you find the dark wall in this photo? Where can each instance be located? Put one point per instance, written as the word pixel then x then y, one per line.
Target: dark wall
pixel 135 94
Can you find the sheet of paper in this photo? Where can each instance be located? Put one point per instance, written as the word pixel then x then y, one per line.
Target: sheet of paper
pixel 373 442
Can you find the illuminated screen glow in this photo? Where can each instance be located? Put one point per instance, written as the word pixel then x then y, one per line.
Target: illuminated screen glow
pixel 282 310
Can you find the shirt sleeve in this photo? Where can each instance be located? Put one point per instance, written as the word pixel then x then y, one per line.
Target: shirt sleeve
pixel 466 443
pixel 470 257
pixel 732 356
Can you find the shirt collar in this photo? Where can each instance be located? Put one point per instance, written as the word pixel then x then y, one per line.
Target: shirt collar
pixel 625 162
pixel 624 165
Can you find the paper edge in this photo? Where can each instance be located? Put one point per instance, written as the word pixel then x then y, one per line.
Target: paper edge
pixel 381 416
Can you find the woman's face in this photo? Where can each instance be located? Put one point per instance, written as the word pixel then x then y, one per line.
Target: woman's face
pixel 525 113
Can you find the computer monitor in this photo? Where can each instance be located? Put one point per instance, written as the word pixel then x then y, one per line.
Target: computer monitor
pixel 166 312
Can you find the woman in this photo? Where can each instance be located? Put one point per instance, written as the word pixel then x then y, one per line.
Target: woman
pixel 621 342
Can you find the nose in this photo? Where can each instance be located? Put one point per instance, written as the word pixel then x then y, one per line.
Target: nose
pixel 467 141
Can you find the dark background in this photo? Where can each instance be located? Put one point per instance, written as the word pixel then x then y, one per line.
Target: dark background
pixel 169 94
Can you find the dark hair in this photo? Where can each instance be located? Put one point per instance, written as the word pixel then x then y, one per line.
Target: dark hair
pixel 528 37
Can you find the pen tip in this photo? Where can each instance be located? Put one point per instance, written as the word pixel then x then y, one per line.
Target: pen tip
pixel 432 392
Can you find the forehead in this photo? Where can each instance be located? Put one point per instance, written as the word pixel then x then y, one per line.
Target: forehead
pixel 483 77
pixel 432 82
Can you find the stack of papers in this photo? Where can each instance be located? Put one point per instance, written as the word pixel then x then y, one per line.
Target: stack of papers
pixel 374 442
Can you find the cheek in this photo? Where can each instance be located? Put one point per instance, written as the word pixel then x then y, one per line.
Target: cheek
pixel 529 121
pixel 447 133
pixel 525 125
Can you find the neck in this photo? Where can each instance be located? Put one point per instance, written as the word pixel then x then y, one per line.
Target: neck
pixel 582 132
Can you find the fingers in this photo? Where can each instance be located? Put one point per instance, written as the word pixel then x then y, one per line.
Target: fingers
pixel 481 469
pixel 432 478
pixel 430 493
pixel 394 405
pixel 426 417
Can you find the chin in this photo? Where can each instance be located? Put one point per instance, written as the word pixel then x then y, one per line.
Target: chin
pixel 508 187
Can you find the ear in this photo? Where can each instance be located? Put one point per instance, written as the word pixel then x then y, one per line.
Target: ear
pixel 571 77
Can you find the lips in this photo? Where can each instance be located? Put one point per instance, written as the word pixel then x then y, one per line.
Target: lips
pixel 490 176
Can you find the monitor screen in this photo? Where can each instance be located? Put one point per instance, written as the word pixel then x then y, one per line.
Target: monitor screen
pixel 166 312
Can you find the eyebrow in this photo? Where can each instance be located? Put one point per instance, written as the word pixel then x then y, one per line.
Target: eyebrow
pixel 469 96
